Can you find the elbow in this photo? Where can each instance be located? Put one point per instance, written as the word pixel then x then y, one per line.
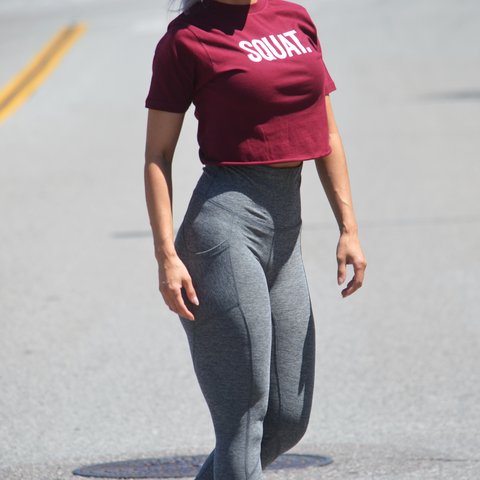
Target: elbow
pixel 156 164
pixel 334 139
pixel 154 157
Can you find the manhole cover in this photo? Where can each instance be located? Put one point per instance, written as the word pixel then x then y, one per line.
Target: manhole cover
pixel 298 461
pixel 176 467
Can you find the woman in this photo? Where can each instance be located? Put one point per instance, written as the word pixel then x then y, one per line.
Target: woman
pixel 254 70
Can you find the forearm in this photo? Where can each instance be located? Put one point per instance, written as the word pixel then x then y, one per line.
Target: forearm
pixel 333 173
pixel 158 191
pixel 163 129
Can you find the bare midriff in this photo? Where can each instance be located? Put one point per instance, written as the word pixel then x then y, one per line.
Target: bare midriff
pixel 285 165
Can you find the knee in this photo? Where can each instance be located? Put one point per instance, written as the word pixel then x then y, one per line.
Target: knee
pixel 291 431
pixel 286 434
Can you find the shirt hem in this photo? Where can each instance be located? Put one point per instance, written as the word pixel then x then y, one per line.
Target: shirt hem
pixel 266 162
pixel 166 107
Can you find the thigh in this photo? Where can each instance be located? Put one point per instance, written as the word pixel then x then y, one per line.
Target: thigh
pixel 294 334
pixel 231 344
pixel 230 339
pixel 293 353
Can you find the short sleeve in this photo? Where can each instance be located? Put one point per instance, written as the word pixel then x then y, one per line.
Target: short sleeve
pixel 329 85
pixel 175 72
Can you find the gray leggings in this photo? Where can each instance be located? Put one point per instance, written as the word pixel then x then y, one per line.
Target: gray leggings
pixel 253 338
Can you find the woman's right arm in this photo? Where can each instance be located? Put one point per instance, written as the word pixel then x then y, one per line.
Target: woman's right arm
pixel 163 130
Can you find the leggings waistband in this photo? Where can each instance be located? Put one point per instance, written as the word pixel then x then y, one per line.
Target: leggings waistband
pixel 270 196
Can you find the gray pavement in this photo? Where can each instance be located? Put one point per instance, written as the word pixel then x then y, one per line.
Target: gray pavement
pixel 93 367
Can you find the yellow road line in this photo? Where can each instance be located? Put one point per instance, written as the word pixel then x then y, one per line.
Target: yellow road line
pixel 16 92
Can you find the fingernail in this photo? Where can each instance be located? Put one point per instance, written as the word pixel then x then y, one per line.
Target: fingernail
pixel 340 280
pixel 196 302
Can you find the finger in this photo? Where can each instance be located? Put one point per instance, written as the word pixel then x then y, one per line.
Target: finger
pixel 342 270
pixel 181 309
pixel 352 287
pixel 190 291
pixel 173 298
pixel 356 282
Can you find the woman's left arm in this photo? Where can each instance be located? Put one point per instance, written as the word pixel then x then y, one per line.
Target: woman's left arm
pixel 333 173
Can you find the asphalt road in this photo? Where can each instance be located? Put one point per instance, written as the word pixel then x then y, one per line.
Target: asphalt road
pixel 94 368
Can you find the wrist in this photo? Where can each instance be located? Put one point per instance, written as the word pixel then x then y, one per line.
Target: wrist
pixel 348 227
pixel 164 251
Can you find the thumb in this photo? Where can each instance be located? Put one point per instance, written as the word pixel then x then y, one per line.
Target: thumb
pixel 190 291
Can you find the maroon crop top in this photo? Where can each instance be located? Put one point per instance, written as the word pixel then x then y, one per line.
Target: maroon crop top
pixel 256 76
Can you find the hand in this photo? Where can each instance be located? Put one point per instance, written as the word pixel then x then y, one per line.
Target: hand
pixel 349 252
pixel 173 276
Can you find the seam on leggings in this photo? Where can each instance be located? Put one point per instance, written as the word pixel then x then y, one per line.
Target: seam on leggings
pixel 255 467
pixel 274 350
pixel 247 475
pixel 303 270
pixel 247 439
pixel 211 182
pixel 270 257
